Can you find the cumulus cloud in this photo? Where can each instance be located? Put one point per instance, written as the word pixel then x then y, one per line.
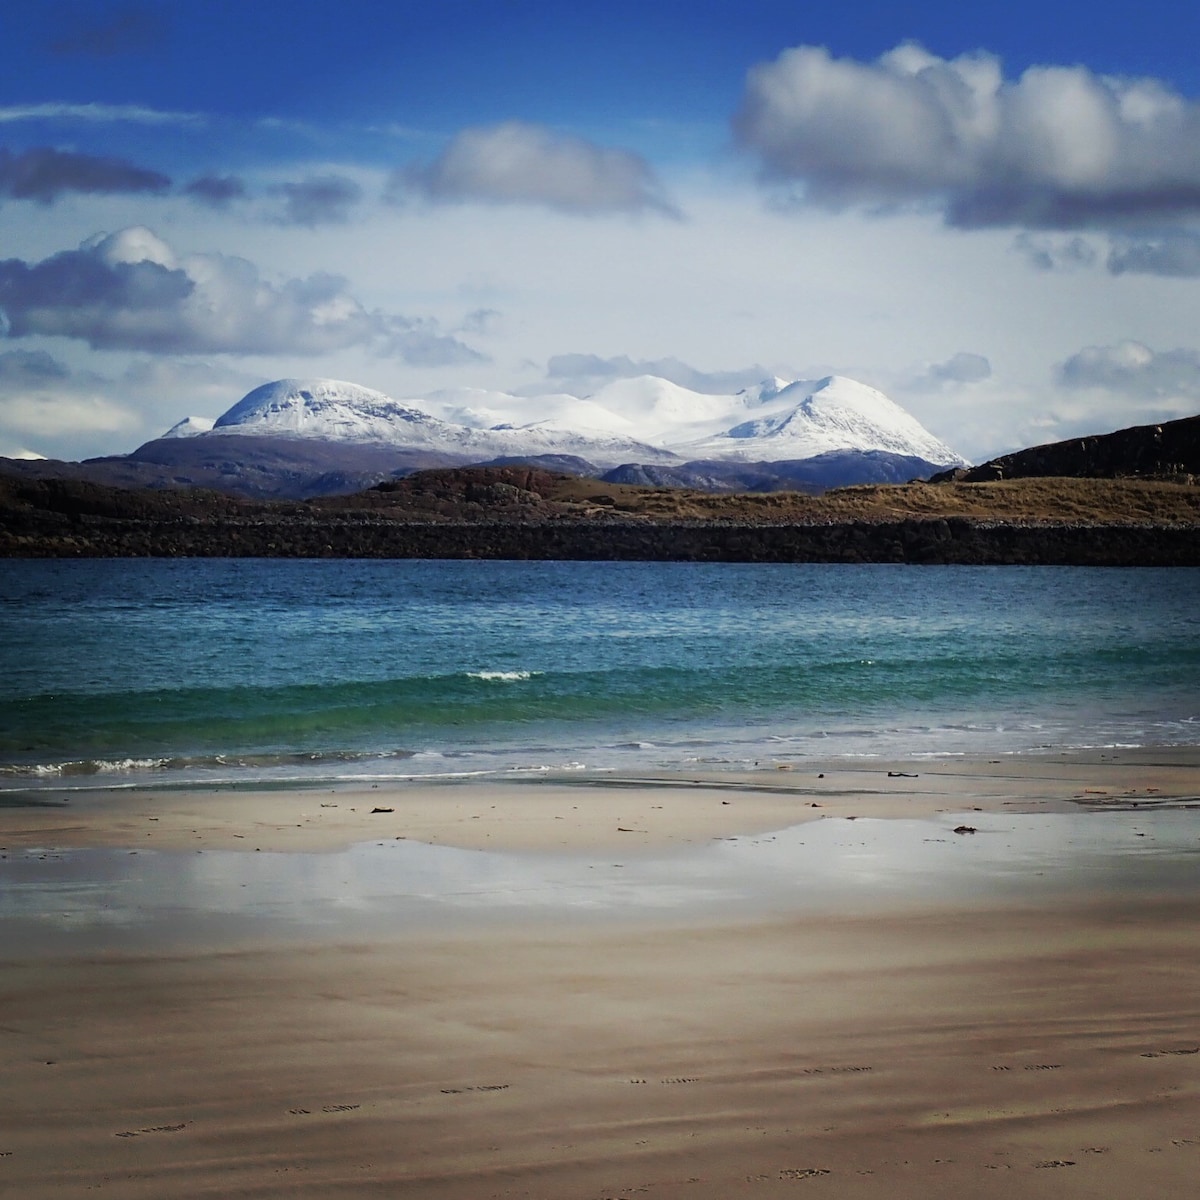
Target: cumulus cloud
pixel 1173 252
pixel 318 200
pixel 591 369
pixel 1134 369
pixel 963 367
pixel 129 291
pixel 520 163
pixel 44 174
pixel 217 191
pixel 1059 147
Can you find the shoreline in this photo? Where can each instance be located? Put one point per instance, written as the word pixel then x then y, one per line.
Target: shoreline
pixel 632 812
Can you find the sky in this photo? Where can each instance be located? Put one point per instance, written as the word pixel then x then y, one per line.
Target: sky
pixel 990 211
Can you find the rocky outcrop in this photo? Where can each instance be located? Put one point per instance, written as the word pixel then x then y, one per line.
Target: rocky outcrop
pixel 1167 451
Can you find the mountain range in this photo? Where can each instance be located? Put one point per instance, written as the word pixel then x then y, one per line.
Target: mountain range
pixel 319 436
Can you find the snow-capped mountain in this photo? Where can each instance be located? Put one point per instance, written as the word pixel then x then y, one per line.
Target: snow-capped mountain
pixel 640 420
pixel 802 420
pixel 332 410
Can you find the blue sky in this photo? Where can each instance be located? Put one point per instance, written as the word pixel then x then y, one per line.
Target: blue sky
pixel 991 211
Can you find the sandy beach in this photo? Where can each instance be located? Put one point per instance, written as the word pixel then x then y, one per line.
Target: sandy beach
pixel 646 811
pixel 1034 1044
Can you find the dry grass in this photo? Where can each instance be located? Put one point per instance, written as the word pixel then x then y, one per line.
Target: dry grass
pixel 486 494
pixel 1057 500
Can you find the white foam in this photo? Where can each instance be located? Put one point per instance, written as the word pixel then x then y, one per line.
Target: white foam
pixel 503 676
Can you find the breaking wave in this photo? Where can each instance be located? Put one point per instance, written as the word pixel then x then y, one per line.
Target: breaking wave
pixel 503 676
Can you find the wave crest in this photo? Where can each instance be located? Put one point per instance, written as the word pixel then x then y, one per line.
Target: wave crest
pixel 503 676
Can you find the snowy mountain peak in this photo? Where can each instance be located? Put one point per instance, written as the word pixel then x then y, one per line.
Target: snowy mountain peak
pixel 768 389
pixel 805 419
pixel 329 408
pixel 643 420
pixel 190 427
pixel 661 410
pixel 345 412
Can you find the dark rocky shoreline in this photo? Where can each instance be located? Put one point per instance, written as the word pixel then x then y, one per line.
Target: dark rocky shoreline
pixel 941 540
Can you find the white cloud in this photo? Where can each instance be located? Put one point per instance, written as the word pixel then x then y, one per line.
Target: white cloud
pixel 1135 370
pixel 960 368
pixel 1059 147
pixel 135 114
pixel 130 291
pixel 520 163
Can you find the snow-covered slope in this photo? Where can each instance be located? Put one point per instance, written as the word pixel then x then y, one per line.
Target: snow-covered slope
pixel 664 412
pixel 803 420
pixel 641 420
pixel 327 408
pixel 345 412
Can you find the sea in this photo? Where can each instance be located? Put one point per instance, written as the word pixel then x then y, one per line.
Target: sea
pixel 178 673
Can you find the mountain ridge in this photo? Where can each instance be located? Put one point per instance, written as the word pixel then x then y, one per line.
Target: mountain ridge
pixel 778 434
pixel 643 419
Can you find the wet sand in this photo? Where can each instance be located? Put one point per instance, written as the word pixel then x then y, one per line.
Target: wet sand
pixel 649 811
pixel 987 1050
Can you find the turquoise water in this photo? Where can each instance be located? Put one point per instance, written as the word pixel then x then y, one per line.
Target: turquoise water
pixel 132 672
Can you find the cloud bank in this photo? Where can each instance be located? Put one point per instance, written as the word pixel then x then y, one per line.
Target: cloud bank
pixel 129 291
pixel 1057 148
pixel 520 163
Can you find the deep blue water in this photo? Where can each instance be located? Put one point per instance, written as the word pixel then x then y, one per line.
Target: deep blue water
pixel 118 671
